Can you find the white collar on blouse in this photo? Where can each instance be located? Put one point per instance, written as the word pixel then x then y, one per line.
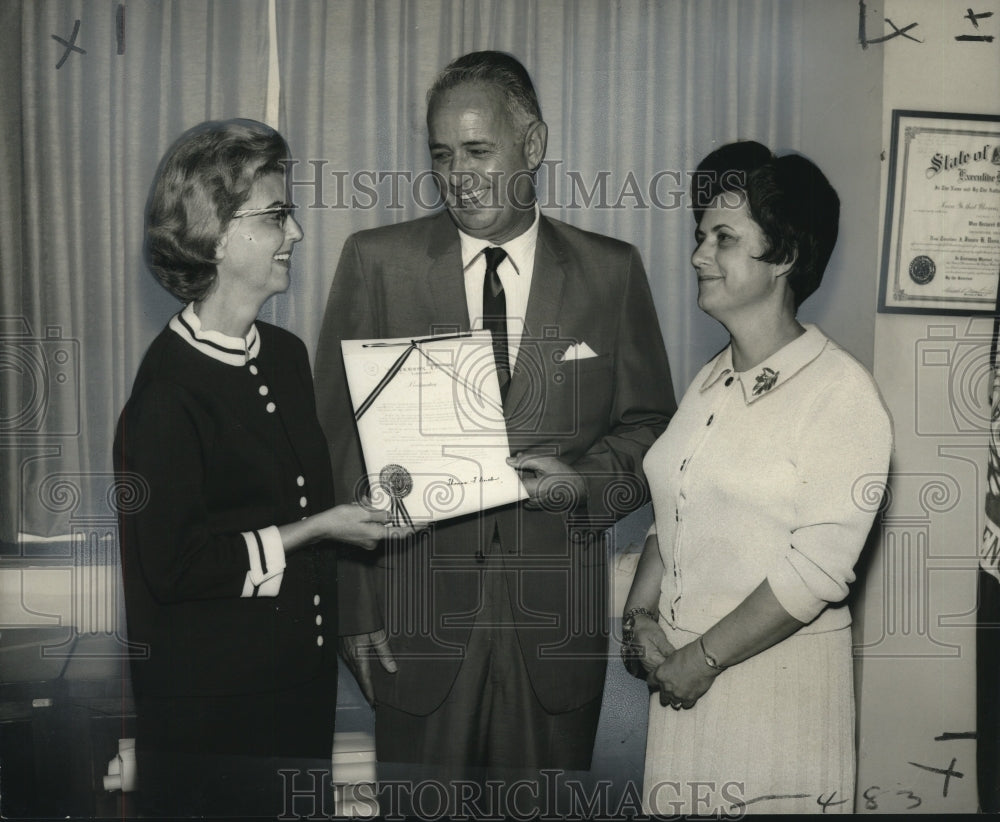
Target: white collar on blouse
pixel 776 370
pixel 214 344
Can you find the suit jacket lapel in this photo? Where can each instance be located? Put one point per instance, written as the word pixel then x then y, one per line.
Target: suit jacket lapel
pixel 544 302
pixel 443 274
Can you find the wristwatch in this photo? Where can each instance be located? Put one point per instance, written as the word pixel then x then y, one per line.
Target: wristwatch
pixel 710 660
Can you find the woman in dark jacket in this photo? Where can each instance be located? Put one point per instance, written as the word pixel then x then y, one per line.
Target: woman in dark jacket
pixel 227 555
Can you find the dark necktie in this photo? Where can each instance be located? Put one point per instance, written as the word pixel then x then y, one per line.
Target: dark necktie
pixel 495 315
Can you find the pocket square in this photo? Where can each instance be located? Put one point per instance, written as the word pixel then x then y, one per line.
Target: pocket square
pixel 580 351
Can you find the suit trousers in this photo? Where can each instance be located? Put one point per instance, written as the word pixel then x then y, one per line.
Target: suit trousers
pixel 491 728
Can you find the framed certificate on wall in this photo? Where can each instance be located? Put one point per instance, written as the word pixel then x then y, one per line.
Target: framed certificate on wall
pixel 941 243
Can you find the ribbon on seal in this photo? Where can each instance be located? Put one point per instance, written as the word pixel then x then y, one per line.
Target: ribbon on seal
pixel 397 483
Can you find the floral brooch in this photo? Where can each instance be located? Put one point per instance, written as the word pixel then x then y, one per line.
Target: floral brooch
pixel 765 381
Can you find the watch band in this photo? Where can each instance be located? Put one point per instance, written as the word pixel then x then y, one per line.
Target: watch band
pixel 710 660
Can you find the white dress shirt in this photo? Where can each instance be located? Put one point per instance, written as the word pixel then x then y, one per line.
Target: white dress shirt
pixel 515 276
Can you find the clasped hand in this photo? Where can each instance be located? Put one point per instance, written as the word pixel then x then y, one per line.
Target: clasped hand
pixel 649 646
pixel 683 677
pixel 679 674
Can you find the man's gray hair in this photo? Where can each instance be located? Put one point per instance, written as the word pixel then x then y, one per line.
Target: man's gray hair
pixel 498 70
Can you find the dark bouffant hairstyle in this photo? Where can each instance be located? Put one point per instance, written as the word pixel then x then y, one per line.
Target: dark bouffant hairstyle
pixel 788 197
pixel 204 177
pixel 498 69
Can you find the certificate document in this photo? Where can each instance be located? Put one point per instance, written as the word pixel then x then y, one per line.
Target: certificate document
pixel 942 234
pixel 431 425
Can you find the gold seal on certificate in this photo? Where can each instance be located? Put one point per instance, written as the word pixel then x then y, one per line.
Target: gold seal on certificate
pixel 431 425
pixel 396 481
pixel 922 269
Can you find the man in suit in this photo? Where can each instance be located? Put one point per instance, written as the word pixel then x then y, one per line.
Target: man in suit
pixel 489 633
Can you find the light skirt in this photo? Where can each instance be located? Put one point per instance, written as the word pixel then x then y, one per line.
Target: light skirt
pixel 774 734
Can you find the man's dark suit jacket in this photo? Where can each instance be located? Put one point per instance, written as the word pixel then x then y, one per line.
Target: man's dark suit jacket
pixel 600 415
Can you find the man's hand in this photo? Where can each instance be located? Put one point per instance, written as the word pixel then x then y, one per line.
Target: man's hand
pixel 551 484
pixel 357 651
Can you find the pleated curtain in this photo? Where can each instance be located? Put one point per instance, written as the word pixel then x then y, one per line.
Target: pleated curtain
pixel 634 93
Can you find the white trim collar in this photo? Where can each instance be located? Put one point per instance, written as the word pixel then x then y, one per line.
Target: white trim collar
pixel 229 350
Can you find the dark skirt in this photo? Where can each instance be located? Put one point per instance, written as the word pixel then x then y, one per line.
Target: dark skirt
pixel 243 755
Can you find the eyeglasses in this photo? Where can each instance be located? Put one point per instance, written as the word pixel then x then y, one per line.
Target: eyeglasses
pixel 281 210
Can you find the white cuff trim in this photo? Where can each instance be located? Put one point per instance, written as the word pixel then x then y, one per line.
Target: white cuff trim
pixel 267 562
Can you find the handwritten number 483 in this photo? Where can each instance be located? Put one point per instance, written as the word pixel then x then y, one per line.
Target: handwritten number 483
pixel 871 794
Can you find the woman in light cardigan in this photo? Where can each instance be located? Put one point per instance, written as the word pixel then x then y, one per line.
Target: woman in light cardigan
pixel 758 487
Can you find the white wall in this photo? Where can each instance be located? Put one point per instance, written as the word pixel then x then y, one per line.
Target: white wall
pixel 841 89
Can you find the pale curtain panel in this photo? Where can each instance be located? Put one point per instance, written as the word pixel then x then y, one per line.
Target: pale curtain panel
pixel 634 93
pixel 91 133
pixel 14 416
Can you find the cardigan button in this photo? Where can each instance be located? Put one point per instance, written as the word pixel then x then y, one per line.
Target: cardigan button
pixel 319 619
pixel 263 390
pixel 300 480
pixel 253 370
pixel 316 599
pixel 729 382
pixel 303 502
pixel 271 408
pixel 319 640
